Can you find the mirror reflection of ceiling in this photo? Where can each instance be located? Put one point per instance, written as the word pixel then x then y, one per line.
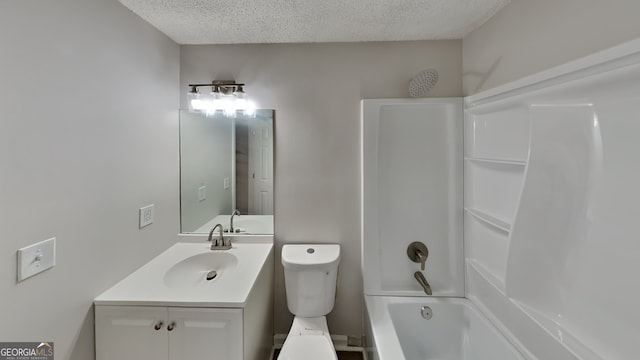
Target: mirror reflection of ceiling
pixel 303 21
pixel 226 164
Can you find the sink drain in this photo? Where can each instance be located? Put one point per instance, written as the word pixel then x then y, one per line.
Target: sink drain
pixel 211 275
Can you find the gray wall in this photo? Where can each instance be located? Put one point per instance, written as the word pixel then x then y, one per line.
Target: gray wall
pixel 316 91
pixel 205 159
pixel 88 131
pixel 527 36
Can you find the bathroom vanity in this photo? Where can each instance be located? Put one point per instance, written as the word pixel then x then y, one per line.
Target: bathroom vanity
pixel 191 303
pixel 154 332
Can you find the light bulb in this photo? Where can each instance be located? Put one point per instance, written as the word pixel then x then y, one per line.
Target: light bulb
pixel 245 105
pixel 229 106
pixel 241 102
pixel 217 101
pixel 249 108
pixel 193 99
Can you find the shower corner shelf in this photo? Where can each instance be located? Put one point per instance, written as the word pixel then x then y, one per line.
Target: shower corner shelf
pixel 489 220
pixel 488 160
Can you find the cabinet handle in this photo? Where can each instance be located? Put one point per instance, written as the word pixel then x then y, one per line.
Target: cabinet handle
pixel 158 326
pixel 171 326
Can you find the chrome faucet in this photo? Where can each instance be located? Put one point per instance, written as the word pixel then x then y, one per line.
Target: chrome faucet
pixel 234 213
pixel 218 244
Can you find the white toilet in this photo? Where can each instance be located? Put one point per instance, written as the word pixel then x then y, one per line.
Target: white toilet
pixel 310 273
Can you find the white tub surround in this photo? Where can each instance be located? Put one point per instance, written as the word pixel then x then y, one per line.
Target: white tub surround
pixel 412 191
pixel 551 206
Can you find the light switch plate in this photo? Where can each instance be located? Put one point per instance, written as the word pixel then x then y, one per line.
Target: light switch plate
pixel 36 258
pixel 146 215
pixel 202 193
pixel 227 183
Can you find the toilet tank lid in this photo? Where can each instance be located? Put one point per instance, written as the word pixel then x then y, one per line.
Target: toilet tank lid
pixel 310 254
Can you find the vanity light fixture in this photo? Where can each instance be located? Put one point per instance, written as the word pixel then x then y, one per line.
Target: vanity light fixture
pixel 226 96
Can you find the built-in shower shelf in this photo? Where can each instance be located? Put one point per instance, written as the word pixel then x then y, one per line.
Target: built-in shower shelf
pixel 489 220
pixel 511 162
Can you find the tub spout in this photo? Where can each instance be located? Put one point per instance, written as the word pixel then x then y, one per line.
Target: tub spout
pixel 423 282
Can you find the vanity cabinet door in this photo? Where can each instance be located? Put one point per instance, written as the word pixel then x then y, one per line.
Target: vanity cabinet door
pixel 131 333
pixel 205 334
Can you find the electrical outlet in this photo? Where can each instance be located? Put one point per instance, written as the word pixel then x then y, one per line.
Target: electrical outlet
pixel 202 193
pixel 227 183
pixel 146 215
pixel 36 258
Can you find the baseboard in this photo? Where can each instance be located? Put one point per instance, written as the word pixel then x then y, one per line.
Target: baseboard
pixel 358 349
pixel 340 342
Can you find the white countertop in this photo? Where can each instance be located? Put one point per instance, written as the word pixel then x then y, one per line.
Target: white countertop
pixel 147 285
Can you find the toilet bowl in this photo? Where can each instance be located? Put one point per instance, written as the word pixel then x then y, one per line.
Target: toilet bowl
pixel 310 273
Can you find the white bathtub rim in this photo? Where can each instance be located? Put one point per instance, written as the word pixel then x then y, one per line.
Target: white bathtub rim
pixel 410 294
pixel 385 339
pixel 385 336
pixel 502 329
pixel 571 343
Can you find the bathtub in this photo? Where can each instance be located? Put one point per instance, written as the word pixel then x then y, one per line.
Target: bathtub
pixel 456 331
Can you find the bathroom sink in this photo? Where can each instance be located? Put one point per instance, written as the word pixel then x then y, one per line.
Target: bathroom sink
pixel 183 276
pixel 200 270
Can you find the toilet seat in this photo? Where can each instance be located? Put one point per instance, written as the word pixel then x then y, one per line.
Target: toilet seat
pixel 308 347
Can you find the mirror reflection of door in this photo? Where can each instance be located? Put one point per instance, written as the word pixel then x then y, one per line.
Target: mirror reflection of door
pixel 242 167
pixel 254 166
pixel 260 199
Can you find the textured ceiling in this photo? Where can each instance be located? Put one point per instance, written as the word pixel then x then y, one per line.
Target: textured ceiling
pixel 305 21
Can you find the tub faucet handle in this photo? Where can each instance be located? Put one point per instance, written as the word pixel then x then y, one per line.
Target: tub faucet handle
pixel 418 253
pixel 422 259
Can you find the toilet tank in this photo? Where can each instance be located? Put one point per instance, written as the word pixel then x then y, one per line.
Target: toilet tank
pixel 310 274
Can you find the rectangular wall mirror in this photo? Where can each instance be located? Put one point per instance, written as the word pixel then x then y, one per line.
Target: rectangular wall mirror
pixel 226 164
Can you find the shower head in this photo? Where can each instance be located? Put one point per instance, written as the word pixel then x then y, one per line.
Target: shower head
pixel 422 83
